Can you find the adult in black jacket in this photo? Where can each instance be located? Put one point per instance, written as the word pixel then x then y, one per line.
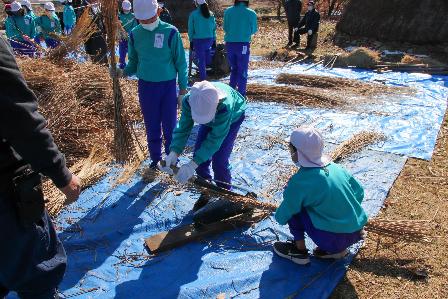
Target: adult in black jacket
pixel 309 25
pixel 32 258
pixel 293 9
pixel 96 46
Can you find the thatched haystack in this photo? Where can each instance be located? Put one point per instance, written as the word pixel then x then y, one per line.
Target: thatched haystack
pixel 360 57
pixel 414 21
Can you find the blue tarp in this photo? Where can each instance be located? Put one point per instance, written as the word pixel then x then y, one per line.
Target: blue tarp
pixel 104 231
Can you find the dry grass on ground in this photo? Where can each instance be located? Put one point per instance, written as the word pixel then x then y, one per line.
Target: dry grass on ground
pixel 398 271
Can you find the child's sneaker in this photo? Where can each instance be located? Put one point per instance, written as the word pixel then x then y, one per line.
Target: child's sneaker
pixel 319 253
pixel 288 250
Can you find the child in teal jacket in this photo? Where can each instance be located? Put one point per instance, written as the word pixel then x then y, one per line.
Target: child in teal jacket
pixel 128 22
pixel 202 35
pixel 322 200
pixel 49 26
pixel 20 30
pixel 68 16
pixel 220 111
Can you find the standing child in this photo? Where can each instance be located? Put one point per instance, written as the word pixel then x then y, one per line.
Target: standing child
pixel 156 57
pixel 240 23
pixel 26 5
pixel 68 16
pixel 20 30
pixel 322 200
pixel 202 35
pixel 220 111
pixel 49 26
pixel 128 22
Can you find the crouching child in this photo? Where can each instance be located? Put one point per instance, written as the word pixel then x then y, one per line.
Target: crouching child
pixel 322 200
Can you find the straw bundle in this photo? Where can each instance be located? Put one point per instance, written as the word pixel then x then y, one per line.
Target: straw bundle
pixel 84 29
pixel 401 230
pixel 361 57
pixel 355 144
pixel 123 144
pixel 293 95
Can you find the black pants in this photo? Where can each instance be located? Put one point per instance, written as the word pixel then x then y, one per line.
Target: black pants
pixel 32 260
pixel 96 48
pixel 309 38
pixel 293 37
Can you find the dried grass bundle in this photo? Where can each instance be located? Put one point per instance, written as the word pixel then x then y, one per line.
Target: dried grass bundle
pixel 123 144
pixel 401 230
pixel 293 95
pixel 85 27
pixel 361 57
pixel 430 62
pixel 356 144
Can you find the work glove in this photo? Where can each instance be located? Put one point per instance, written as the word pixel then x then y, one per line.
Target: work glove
pixel 170 160
pixel 186 172
pixel 310 32
pixel 119 72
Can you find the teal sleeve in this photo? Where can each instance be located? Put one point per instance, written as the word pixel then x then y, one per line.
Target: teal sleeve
pixel 180 61
pixel 214 28
pixel 357 188
pixel 292 202
pixel 131 67
pixel 58 26
pixel 254 24
pixel 215 138
pixel 183 129
pixel 226 22
pixel 190 28
pixel 33 31
pixel 9 28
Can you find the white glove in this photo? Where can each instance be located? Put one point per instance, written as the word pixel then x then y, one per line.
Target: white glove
pixel 170 160
pixel 296 29
pixel 186 172
pixel 310 32
pixel 119 72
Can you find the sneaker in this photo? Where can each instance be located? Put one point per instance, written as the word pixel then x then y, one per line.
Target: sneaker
pixel 321 254
pixel 288 250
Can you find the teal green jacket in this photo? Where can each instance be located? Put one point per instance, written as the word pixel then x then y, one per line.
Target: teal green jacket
pixel 330 195
pixel 47 26
pixel 69 16
pixel 128 21
pixel 200 27
pixel 31 14
pixel 18 25
pixel 240 23
pixel 157 56
pixel 228 112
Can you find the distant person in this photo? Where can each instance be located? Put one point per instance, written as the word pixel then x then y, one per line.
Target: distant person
pixel 128 22
pixel 157 58
pixel 20 30
pixel 49 26
pixel 26 5
pixel 202 35
pixel 322 200
pixel 293 10
pixel 96 46
pixel 165 15
pixel 32 257
pixel 309 25
pixel 240 23
pixel 68 16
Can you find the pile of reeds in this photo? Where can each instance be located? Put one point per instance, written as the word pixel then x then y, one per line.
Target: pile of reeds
pixel 294 96
pixel 355 144
pixel 419 231
pixel 85 27
pixel 360 58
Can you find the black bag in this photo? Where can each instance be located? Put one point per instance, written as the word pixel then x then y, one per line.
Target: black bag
pixel 28 196
pixel 220 64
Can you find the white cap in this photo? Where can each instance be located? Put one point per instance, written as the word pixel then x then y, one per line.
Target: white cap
pixel 145 9
pixel 49 6
pixel 200 2
pixel 126 5
pixel 204 99
pixel 26 3
pixel 310 146
pixel 62 1
pixel 15 6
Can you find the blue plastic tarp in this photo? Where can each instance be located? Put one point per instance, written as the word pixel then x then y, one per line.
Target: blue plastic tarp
pixel 103 231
